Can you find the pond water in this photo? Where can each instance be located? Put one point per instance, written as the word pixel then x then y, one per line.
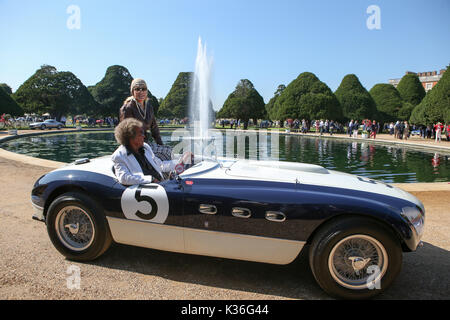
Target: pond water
pixel 388 163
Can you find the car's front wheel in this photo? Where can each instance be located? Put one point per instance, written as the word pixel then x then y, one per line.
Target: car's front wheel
pixel 77 227
pixel 355 258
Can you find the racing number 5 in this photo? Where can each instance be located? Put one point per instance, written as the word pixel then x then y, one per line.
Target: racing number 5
pixel 150 200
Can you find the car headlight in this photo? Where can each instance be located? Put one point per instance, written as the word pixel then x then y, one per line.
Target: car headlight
pixel 415 216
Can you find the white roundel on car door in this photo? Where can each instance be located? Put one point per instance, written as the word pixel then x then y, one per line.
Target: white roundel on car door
pixel 145 203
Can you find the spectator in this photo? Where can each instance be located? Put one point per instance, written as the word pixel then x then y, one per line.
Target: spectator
pixel 355 129
pixel 406 130
pixel 374 129
pixel 391 128
pixel 428 132
pixel 402 130
pixel 447 131
pixel 350 128
pixel 438 128
pixel 332 126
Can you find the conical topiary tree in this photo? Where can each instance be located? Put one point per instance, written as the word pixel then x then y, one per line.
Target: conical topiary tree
pixel 244 103
pixel 176 103
pixel 272 113
pixel 6 88
pixel 411 89
pixel 8 105
pixel 308 98
pixel 355 100
pixel 436 104
pixel 387 100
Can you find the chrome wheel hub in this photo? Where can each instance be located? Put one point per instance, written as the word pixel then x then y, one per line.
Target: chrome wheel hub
pixel 357 262
pixel 74 228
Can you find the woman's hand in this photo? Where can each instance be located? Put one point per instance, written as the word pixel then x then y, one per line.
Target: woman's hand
pixel 187 158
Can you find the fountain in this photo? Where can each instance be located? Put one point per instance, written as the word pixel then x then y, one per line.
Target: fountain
pixel 200 104
pixel 200 95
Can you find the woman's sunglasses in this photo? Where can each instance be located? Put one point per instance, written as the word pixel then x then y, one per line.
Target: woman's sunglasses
pixel 140 89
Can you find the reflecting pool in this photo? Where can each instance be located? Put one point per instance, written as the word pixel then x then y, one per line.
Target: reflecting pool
pixel 388 163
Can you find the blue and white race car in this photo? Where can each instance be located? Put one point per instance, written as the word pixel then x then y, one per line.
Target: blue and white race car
pixel 355 229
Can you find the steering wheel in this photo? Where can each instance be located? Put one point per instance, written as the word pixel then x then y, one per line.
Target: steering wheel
pixel 181 167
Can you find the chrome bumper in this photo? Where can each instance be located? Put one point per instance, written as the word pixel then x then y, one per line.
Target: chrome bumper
pixel 38 213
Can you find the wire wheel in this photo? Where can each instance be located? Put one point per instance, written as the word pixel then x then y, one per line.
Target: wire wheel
pixel 358 262
pixel 74 228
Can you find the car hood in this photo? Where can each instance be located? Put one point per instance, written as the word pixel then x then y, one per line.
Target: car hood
pixel 301 173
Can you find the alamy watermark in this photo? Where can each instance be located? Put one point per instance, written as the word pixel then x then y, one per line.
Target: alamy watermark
pixel 73 281
pixel 252 145
pixel 74 20
pixel 374 281
pixel 374 20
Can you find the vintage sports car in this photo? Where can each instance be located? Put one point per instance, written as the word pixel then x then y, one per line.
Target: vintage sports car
pixel 355 228
pixel 50 123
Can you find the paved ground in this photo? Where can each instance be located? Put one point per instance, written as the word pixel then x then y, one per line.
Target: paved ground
pixel 30 267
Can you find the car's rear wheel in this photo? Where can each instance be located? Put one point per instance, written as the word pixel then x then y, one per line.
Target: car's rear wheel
pixel 59 127
pixel 355 258
pixel 77 227
pixel 43 127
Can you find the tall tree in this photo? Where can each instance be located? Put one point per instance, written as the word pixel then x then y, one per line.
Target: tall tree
pixel 436 104
pixel 6 88
pixel 388 101
pixel 58 93
pixel 405 111
pixel 176 103
pixel 244 103
pixel 8 105
pixel 411 89
pixel 355 100
pixel 308 98
pixel 112 90
pixel 270 106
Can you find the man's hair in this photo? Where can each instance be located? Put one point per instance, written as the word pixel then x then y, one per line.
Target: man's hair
pixel 126 130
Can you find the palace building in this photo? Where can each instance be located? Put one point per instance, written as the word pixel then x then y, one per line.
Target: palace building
pixel 428 79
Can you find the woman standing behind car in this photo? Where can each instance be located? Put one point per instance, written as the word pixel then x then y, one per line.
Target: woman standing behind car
pixel 138 106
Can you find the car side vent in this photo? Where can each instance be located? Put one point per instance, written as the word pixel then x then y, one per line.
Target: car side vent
pixel 241 212
pixel 207 209
pixel 275 216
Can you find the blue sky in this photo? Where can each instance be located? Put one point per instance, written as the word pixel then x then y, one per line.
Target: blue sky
pixel 267 42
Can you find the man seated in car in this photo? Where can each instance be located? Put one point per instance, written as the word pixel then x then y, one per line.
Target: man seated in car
pixel 134 160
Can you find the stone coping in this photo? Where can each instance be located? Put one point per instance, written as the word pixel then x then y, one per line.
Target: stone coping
pixel 410 187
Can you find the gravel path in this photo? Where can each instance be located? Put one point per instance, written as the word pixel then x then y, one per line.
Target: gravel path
pixel 31 268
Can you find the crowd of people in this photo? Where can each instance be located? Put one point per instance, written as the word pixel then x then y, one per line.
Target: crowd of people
pixel 367 128
pixel 402 130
